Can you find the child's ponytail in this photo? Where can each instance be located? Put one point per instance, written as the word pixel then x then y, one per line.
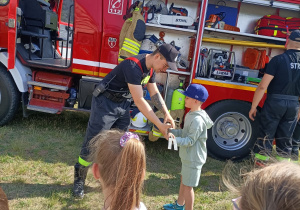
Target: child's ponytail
pixel 122 167
pixel 130 176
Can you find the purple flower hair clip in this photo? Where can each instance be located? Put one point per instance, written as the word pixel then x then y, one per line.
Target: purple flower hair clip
pixel 126 137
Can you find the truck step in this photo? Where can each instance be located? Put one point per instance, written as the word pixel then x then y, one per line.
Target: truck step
pixel 42 109
pixel 47 85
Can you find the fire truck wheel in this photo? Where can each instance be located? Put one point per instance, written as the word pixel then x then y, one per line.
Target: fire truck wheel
pixel 233 134
pixel 9 96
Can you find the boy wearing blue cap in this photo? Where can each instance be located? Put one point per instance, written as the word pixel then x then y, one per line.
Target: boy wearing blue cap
pixel 192 142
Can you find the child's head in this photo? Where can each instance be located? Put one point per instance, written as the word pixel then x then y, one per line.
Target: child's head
pixel 196 95
pixel 119 164
pixel 274 187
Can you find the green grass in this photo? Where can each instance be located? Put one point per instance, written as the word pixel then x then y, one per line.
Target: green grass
pixel 37 155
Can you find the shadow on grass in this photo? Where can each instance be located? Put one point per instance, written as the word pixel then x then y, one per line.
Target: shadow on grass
pixel 19 190
pixel 156 185
pixel 49 191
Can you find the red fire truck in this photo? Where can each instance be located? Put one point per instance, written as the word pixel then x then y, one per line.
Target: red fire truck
pixel 53 53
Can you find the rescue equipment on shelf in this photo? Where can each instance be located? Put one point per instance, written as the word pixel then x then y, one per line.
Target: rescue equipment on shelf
pixel 157 42
pixel 215 21
pixel 152 8
pixel 179 11
pixel 222 64
pixel 176 16
pixel 138 119
pixel 242 43
pixel 255 59
pixel 172 141
pixel 175 20
pixel 202 70
pixel 132 35
pixel 276 26
pixel 253 81
pixel 178 98
pixel 177 115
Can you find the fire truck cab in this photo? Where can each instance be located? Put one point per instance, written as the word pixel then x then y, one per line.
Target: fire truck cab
pixel 53 53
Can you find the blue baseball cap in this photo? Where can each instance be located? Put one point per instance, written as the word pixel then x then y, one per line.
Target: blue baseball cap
pixel 196 91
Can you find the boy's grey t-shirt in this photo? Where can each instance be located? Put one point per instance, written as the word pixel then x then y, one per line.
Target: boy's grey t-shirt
pixel 192 138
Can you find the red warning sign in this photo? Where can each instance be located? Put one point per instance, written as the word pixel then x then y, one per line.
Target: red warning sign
pixel 115 7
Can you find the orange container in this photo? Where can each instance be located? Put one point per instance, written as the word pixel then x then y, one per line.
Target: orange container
pixel 251 57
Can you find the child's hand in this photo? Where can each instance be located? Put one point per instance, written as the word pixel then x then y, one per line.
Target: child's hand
pixel 170 135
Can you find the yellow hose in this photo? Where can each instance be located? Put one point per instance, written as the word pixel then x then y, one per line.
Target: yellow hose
pixel 242 43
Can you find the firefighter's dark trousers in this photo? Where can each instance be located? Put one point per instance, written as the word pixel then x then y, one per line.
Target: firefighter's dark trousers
pixel 278 120
pixel 105 114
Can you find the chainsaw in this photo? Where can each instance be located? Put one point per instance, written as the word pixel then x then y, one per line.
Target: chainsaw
pixel 177 16
pixel 216 21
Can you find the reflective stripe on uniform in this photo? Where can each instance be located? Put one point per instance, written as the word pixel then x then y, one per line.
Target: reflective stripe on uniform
pixel 262 157
pixel 129 50
pixel 145 80
pixel 83 162
pixel 282 158
pixel 131 46
pixel 157 134
pixel 133 42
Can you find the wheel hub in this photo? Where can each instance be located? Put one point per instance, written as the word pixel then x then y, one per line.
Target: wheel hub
pixel 229 128
pixel 231 131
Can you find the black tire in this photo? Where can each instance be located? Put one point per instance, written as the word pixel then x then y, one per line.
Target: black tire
pixel 9 96
pixel 233 134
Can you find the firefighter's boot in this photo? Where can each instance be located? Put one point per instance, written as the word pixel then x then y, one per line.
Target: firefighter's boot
pixel 80 173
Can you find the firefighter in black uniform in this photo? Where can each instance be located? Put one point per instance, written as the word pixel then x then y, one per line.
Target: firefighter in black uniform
pixel 112 99
pixel 280 111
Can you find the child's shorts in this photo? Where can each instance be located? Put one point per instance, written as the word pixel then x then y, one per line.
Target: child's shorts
pixel 190 175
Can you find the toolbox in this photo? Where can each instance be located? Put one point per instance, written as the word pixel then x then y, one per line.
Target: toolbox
pixel 247 72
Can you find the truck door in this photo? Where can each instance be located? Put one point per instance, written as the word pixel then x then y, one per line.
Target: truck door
pixel 8 15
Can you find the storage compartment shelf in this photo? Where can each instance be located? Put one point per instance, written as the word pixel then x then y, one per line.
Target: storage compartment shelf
pixel 178 72
pixel 170 28
pixel 276 4
pixel 245 34
pixel 267 3
pixel 242 43
pixel 224 83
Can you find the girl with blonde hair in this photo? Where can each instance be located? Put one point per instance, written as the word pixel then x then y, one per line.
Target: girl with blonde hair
pixel 119 164
pixel 274 187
